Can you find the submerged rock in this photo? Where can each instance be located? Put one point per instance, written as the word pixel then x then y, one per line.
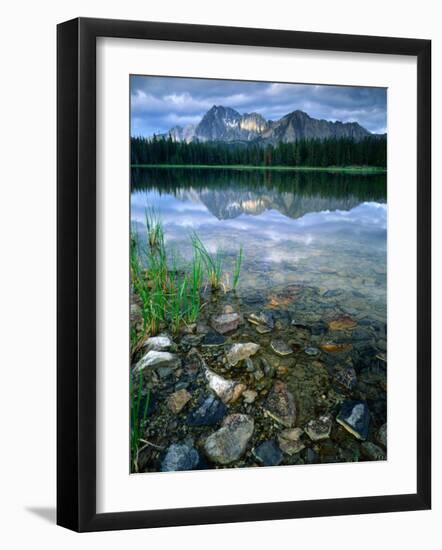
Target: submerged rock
pixel 346 377
pixel 355 417
pixel 331 347
pixel 158 343
pixel 290 441
pixel 280 347
pixel 311 351
pixel 227 322
pixel 208 412
pixel 238 352
pixel 228 391
pixel 262 329
pixel 344 322
pixel 180 456
pixel 156 360
pixel 230 442
pixel 280 405
pixel 177 400
pixel 213 339
pixel 268 369
pixel 263 320
pixel 372 451
pixel 319 429
pixel 268 453
pixel 310 456
pixel 382 435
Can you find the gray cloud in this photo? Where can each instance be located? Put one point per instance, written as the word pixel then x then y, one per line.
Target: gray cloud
pixel 159 103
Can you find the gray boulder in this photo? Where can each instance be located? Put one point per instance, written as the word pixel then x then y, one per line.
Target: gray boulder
pixel 180 456
pixel 230 442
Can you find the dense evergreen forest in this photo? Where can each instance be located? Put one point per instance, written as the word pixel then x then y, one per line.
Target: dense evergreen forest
pixel 371 151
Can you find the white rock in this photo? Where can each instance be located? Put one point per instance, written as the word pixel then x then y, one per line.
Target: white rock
pixel 158 343
pixel 156 359
pixel 227 390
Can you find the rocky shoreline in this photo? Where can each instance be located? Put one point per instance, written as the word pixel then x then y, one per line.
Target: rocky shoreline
pixel 280 378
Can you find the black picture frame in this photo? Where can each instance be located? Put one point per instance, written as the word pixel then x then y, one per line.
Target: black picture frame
pixel 76 274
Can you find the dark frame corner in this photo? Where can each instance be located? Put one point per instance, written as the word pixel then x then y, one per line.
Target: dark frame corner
pixel 76 287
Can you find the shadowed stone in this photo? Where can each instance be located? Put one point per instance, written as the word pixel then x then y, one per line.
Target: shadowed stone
pixel 280 405
pixel 180 456
pixel 268 453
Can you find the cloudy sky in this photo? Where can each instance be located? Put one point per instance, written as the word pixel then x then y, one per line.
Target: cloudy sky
pixel 159 103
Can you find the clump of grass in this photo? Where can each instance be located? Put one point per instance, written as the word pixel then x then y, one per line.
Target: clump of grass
pixel 170 296
pixel 138 419
pixel 237 268
pixel 195 285
pixel 155 233
pixel 212 262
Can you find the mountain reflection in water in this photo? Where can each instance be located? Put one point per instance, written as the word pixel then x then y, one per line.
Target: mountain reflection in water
pixel 316 228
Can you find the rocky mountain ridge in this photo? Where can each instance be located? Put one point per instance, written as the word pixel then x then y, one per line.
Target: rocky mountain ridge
pixel 227 125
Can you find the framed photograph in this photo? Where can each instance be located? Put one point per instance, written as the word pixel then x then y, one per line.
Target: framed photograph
pixel 243 274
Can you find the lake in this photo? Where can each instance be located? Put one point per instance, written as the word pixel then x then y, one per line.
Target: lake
pixel 314 258
pixel 318 229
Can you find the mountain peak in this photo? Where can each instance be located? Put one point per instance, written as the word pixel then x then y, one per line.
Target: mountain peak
pixel 225 124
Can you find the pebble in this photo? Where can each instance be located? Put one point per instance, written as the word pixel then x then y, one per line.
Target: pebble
pixel 208 412
pixel 311 351
pixel 372 451
pixel 263 319
pixel 194 363
pixel 249 396
pixel 177 400
pixel 382 435
pixel 258 374
pixel 346 377
pixel 268 453
pixel 228 391
pixel 268 369
pixel 280 347
pixel 290 441
pixel 250 367
pixel 319 429
pixel 179 457
pixel 227 322
pixel 280 405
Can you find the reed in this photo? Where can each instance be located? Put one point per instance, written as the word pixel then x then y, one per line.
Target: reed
pixel 212 262
pixel 237 268
pixel 139 408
